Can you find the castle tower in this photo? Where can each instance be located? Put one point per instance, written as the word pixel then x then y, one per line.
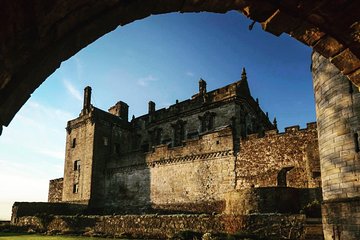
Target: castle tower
pixel 89 145
pixel 79 155
pixel 338 122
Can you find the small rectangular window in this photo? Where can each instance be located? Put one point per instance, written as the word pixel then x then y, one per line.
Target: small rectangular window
pixel 77 165
pixel 117 148
pixel 105 141
pixel 76 188
pixel 73 144
pixel 356 142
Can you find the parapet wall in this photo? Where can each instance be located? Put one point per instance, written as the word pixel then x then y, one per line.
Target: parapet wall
pixel 220 140
pixel 261 159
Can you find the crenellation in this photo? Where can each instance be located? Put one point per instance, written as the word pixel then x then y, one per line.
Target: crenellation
pixel 292 129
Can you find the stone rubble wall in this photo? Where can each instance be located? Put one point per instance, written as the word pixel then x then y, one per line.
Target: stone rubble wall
pixel 260 159
pixel 274 200
pixel 268 226
pixel 55 190
pixel 21 209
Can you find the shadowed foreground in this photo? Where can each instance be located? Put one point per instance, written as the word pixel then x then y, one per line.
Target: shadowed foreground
pixel 22 236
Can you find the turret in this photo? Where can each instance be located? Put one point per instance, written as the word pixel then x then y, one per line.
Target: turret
pixel 275 123
pixel 243 86
pixel 121 110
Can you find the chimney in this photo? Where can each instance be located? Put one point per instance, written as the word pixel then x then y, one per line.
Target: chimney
pixel 151 107
pixel 202 86
pixel 87 100
pixel 121 110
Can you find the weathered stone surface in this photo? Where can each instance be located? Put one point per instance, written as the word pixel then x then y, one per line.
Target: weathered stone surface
pixel 337 112
pixel 271 199
pixel 55 190
pixel 346 62
pixel 119 166
pixel 341 218
pixel 328 46
pixel 268 226
pixel 260 160
pixel 21 209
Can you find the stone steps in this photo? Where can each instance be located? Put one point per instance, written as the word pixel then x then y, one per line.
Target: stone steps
pixel 313 229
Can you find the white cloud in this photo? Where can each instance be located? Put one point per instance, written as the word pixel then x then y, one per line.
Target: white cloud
pixel 52 153
pixel 190 74
pixel 72 90
pixel 79 68
pixel 146 80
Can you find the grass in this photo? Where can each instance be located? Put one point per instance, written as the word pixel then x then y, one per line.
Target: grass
pixel 20 236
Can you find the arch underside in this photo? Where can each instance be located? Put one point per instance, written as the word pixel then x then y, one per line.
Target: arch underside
pixel 37 35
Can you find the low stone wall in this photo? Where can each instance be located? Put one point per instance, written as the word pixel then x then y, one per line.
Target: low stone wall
pixel 21 209
pixel 268 226
pixel 274 200
pixel 197 208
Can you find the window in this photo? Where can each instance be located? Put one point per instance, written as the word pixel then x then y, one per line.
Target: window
pixel 76 188
pixel 117 148
pixel 316 174
pixel 73 144
pixel 155 136
pixel 207 121
pixel 145 147
pixel 179 132
pixel 356 142
pixel 105 141
pixel 77 164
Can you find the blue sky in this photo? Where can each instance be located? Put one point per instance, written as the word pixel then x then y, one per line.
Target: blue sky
pixel 160 58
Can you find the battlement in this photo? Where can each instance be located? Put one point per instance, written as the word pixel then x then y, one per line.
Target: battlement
pixel 288 130
pixel 220 140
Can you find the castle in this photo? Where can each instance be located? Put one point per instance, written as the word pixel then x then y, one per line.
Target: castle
pixel 187 157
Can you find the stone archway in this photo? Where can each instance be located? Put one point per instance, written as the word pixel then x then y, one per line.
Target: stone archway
pixel 36 36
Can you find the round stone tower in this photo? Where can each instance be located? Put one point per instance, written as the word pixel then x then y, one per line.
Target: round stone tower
pixel 338 123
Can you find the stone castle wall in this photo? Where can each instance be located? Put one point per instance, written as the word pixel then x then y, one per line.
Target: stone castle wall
pixel 261 159
pixel 55 190
pixel 198 174
pixel 338 116
pixel 189 178
pixel 284 200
